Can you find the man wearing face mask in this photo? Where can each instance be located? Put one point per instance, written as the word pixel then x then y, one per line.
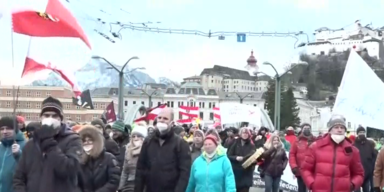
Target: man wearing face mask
pixel 110 145
pixel 367 156
pixel 297 152
pixel 51 160
pixel 332 163
pixel 121 136
pixel 165 160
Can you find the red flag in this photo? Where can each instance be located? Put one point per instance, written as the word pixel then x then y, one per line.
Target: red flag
pixel 190 112
pixel 57 42
pixel 216 113
pixel 152 113
pixel 109 114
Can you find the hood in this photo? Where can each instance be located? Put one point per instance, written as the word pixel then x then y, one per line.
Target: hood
pixel 220 152
pixel 98 139
pixel 19 136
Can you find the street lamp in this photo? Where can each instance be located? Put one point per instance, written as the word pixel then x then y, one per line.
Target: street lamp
pixel 149 96
pixel 242 97
pixel 121 80
pixel 278 93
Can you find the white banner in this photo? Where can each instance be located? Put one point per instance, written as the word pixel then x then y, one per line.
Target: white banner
pixel 288 180
pixel 361 94
pixel 233 113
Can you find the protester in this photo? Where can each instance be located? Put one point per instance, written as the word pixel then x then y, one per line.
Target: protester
pixel 222 134
pixel 51 160
pixel 373 145
pixel 290 135
pixel 231 136
pixel 164 163
pixel 380 144
pixel 151 131
pixel 99 169
pixel 21 123
pixel 241 149
pixel 30 129
pixel 179 131
pixel 332 163
pixel 378 174
pixel 12 144
pixel 196 146
pixel 139 133
pixel 110 145
pixel 297 153
pixel 367 157
pixel 108 130
pixel 261 138
pixel 286 144
pixel 274 160
pixel 211 171
pixel 121 136
pixel 214 133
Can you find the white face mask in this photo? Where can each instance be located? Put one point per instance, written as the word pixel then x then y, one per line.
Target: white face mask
pixel 337 138
pixel 87 148
pixel 162 126
pixel 111 134
pixel 51 122
pixel 137 143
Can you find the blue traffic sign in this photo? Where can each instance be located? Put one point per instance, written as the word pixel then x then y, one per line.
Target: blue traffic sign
pixel 241 37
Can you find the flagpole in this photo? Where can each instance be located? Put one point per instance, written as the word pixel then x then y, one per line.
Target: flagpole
pixel 15 97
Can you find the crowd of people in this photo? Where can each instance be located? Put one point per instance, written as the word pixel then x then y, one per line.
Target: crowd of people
pixel 54 155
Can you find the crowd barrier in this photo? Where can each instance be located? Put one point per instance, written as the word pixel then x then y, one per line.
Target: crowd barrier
pixel 288 181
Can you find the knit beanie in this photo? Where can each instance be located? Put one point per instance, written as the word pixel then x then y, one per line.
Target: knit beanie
pixel 199 133
pixel 98 122
pixel 7 122
pixel 336 120
pixel 140 130
pixel 20 119
pixel 212 138
pixel 52 104
pixel 360 129
pixel 119 126
pixel 213 132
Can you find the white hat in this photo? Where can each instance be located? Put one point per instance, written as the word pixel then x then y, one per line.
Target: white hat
pixel 141 130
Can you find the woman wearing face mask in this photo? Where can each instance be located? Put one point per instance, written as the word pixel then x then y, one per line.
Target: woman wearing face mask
pixel 131 156
pixel 241 149
pixel 99 169
pixel 274 162
pixel 212 170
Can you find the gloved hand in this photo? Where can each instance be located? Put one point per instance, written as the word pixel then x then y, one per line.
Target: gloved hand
pixel 47 144
pixel 295 171
pixel 376 189
pixel 45 132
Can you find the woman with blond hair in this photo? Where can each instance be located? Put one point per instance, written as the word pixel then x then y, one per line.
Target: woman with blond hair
pixel 127 178
pixel 274 162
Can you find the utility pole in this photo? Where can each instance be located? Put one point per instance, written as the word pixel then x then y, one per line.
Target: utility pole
pixel 121 81
pixel 242 97
pixel 149 96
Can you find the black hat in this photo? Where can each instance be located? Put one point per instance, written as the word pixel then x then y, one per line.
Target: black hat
pixel 98 122
pixel 7 122
pixel 52 104
pixel 360 129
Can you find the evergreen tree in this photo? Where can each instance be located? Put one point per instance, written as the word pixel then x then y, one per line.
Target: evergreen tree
pixel 289 114
pixel 269 97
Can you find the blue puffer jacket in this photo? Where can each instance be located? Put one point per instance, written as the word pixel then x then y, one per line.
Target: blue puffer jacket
pixel 8 161
pixel 214 176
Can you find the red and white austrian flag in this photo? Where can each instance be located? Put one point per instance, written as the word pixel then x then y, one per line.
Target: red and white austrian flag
pixel 190 112
pixel 57 42
pixel 216 113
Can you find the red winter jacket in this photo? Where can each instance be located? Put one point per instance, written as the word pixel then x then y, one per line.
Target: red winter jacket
pixel 331 167
pixel 297 152
pixel 291 138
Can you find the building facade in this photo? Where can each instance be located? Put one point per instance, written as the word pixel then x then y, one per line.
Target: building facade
pixel 358 38
pixel 30 99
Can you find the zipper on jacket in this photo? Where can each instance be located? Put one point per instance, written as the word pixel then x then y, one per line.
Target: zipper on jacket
pixel 2 165
pixel 333 166
pixel 206 175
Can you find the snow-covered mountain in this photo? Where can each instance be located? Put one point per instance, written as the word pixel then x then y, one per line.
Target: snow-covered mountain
pixel 166 81
pixel 99 75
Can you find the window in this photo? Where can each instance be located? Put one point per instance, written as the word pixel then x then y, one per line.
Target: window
pixel 143 103
pixel 77 107
pixel 95 105
pixel 18 105
pixel 158 103
pixel 48 94
pixel 67 106
pixel 210 105
pixel 28 116
pixel 28 94
pixel 95 117
pixel 213 105
pixel 78 118
pixel 211 116
pixel 8 93
pixel 172 104
pixel 102 106
pixel 38 94
pixel 28 105
pixel 126 103
pixel 201 115
pixel 68 117
pixel 38 105
pixel 180 116
pixel 168 103
pixel 254 105
pixel 199 104
pixel 134 102
pixel 203 105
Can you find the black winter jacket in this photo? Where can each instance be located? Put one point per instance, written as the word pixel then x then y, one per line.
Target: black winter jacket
pixel 111 146
pixel 56 169
pixel 101 174
pixel 164 168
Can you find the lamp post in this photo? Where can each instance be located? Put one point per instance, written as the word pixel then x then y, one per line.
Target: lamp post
pixel 242 97
pixel 121 81
pixel 149 96
pixel 278 93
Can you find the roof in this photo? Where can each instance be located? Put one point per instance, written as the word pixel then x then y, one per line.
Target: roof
pixel 237 96
pixel 322 29
pixel 157 85
pixel 193 77
pixel 191 85
pixel 264 78
pixel 231 72
pixel 111 91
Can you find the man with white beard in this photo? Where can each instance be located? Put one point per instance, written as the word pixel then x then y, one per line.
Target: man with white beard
pixel 164 163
